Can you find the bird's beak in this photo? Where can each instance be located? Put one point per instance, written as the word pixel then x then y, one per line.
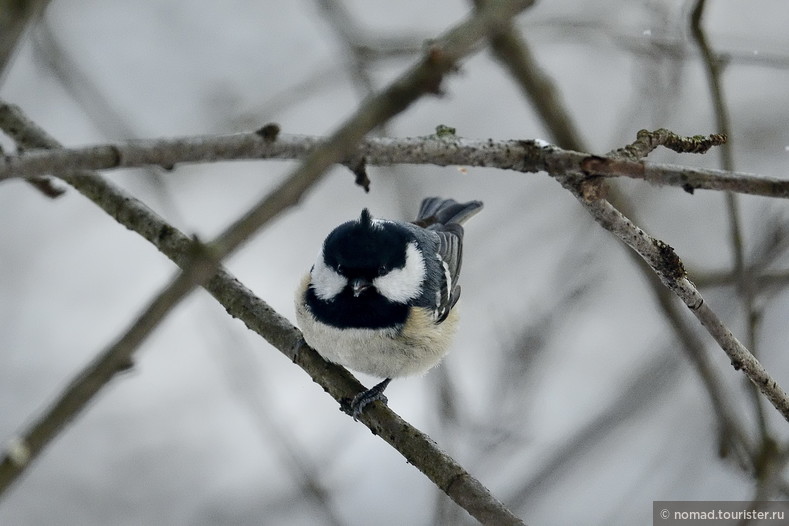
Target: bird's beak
pixel 359 285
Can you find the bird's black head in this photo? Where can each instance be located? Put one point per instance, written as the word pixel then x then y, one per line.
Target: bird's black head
pixel 366 248
pixel 367 274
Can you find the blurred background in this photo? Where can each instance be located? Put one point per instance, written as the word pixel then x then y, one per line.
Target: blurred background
pixel 569 391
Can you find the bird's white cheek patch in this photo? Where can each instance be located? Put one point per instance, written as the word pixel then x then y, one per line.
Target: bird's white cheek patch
pixel 326 282
pixel 403 284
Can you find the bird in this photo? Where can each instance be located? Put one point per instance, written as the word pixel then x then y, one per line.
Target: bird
pixel 380 299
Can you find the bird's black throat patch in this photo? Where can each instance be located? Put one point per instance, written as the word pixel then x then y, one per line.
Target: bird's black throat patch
pixel 369 310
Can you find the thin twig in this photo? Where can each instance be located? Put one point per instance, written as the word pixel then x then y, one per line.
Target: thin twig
pixel 647 141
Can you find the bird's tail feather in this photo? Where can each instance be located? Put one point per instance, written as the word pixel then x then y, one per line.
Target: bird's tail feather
pixel 436 210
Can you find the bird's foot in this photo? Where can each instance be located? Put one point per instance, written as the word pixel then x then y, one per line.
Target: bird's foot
pixel 355 406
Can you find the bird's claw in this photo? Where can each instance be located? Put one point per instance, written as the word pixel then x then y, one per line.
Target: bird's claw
pixel 363 399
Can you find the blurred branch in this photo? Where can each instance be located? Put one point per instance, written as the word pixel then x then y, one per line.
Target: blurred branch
pixel 514 54
pixel 713 70
pixel 363 50
pixel 245 381
pixel 642 45
pixel 519 155
pixel 727 278
pixel 362 46
pixel 762 280
pixel 423 78
pixel 349 32
pixel 115 359
pixel 15 17
pixel 90 98
pixel 745 285
pixel 650 382
pixel 723 122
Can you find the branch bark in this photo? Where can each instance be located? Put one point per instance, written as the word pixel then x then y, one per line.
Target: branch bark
pixel 528 156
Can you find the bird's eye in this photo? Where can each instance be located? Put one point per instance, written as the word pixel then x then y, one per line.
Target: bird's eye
pixel 383 269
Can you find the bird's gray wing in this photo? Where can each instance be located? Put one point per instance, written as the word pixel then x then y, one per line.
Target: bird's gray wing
pixel 450 255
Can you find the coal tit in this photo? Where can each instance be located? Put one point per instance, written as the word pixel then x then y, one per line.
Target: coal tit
pixel 380 297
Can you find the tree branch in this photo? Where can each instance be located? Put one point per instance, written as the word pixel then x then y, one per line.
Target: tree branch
pixel 528 156
pixel 669 268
